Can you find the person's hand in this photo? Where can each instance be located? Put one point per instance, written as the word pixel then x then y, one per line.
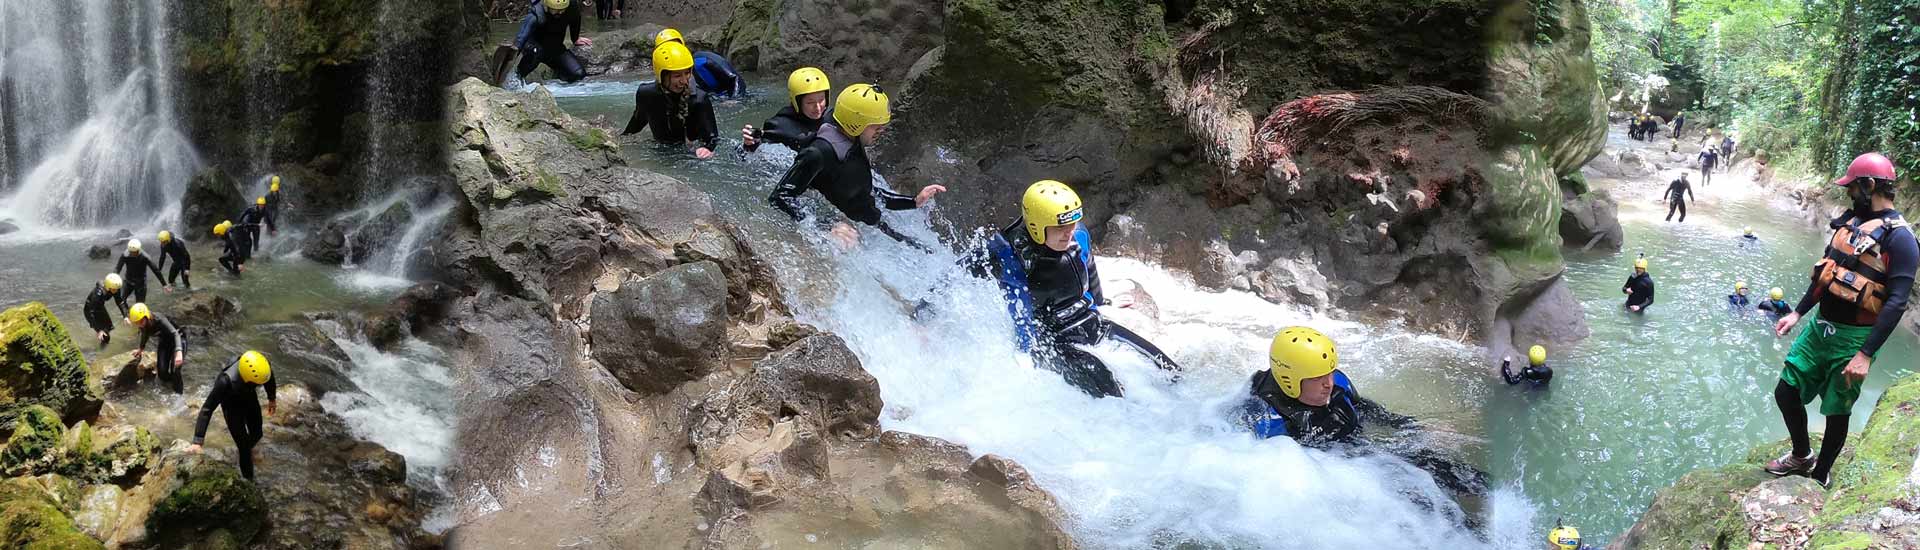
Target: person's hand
pixel 1785 324
pixel 927 193
pixel 1856 372
pixel 845 235
pixel 179 359
pixel 167 288
pixel 137 353
pixel 583 42
pixel 271 407
pixel 194 448
pixel 703 153
pixel 746 135
pixel 1635 309
pixel 102 334
pixel 616 14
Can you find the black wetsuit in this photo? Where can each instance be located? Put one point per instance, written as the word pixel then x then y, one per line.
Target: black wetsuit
pixel 1268 412
pixel 1639 289
pixel 1779 308
pixel 787 127
pixel 241 409
pixel 1535 376
pixel 182 263
pixel 1679 122
pixel 715 75
pixel 273 211
pixel 133 269
pixel 1675 192
pixel 544 38
pixel 232 254
pixel 676 119
pixel 837 167
pixel 169 343
pixel 96 310
pixel 1708 159
pixel 1738 300
pixel 250 220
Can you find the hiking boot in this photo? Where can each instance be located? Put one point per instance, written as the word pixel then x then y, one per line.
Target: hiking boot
pixel 1791 465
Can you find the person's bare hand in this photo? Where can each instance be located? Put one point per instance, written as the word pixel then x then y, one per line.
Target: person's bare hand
pixel 1857 369
pixel 584 42
pixel 703 153
pixel 271 407
pixel 1785 324
pixel 845 234
pixel 1633 308
pixel 746 135
pixel 927 193
pixel 1123 301
pixel 194 448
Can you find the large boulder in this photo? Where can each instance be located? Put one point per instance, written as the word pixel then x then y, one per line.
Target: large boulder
pixel 212 197
pixel 1591 221
pixel 861 41
pixel 40 444
pixel 41 365
pixel 31 519
pixel 420 308
pixel 204 310
pixel 328 245
pixel 656 333
pixel 211 497
pixel 379 234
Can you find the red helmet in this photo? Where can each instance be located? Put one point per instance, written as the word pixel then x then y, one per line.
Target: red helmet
pixel 1870 165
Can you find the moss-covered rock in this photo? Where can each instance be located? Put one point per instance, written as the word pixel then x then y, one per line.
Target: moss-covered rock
pixel 213 498
pixel 35 446
pixel 212 197
pixel 29 520
pixel 42 365
pixel 40 445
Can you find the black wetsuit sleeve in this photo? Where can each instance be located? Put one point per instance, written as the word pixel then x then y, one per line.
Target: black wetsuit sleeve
pixel 705 130
pixel 156 269
pixel 1093 282
pixel 1812 296
pixel 1903 258
pixel 1506 372
pixel 179 342
pixel 892 200
pixel 215 395
pixel 1690 197
pixel 806 166
pixel 639 120
pixel 573 25
pixel 163 261
pixel 273 388
pixel 1371 411
pixel 144 336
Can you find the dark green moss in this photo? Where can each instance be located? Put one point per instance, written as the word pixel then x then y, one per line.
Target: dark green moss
pixel 34 447
pixel 29 520
pixel 213 497
pixel 42 365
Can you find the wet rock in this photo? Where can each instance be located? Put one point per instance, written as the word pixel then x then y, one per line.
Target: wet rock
pixel 33 520
pixel 376 463
pixel 98 509
pixel 211 497
pixel 329 244
pixel 122 372
pixel 204 310
pixel 211 197
pixel 7 226
pixel 1552 317
pixel 379 234
pixel 41 365
pixel 863 42
pixel 420 307
pixel 656 333
pixel 122 235
pixel 1294 279
pixel 41 445
pixel 1591 221
pixel 99 252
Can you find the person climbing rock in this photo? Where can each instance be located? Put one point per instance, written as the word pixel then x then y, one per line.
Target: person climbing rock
pixel 1639 287
pixel 1708 157
pixel 1677 191
pixel 232 392
pixel 250 221
pixel 543 40
pixel 835 164
pixel 95 309
pixel 1861 285
pixel 133 268
pixel 1679 122
pixel 1776 303
pixel 1044 265
pixel 711 72
pixel 796 123
pixel 170 349
pixel 233 254
pixel 273 206
pixel 1535 374
pixel 679 113
pixel 180 272
pixel 1738 300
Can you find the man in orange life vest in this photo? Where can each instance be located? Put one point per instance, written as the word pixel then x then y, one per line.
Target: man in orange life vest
pixel 1861 284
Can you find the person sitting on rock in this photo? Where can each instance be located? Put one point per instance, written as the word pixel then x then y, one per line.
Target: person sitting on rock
pixel 835 163
pixel 250 221
pixel 179 273
pixel 796 123
pixel 233 253
pixel 1776 303
pixel 543 39
pixel 1738 300
pixel 273 206
pixel 679 113
pixel 1677 193
pixel 1639 287
pixel 95 309
pixel 1535 374
pixel 170 349
pixel 711 72
pixel 133 267
pixel 232 392
pixel 1044 265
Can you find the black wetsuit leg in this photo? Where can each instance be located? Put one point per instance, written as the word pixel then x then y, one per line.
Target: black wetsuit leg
pixel 1080 369
pixel 99 321
pixel 1795 414
pixel 1677 205
pixel 228 262
pixel 163 366
pixel 181 272
pixel 567 66
pixel 529 60
pixel 1140 344
pixel 243 423
pixel 136 291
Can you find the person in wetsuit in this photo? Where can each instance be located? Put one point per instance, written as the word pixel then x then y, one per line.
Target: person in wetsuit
pixel 250 221
pixel 181 270
pixel 1639 287
pixel 232 392
pixel 273 207
pixel 233 253
pixel 796 123
pixel 1776 303
pixel 835 164
pixel 95 308
pixel 1748 238
pixel 1708 159
pixel 1675 193
pixel 680 113
pixel 1044 265
pixel 1679 122
pixel 133 267
pixel 1861 284
pixel 544 37
pixel 1535 374
pixel 1738 300
pixel 1726 152
pixel 170 349
pixel 711 71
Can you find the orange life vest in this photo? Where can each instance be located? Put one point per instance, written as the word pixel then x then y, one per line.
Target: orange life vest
pixel 1855 267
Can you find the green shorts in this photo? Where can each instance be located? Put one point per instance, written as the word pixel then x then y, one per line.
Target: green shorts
pixel 1816 361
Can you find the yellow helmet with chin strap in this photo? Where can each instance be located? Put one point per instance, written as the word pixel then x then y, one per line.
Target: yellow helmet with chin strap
pixel 1640 263
pixel 112 282
pixel 806 80
pixel 667 35
pixel 139 313
pixel 1048 203
pixel 1537 355
pixel 1300 353
pixel 253 368
pixel 1776 293
pixel 1564 538
pixel 557 5
pixel 860 106
pixel 166 237
pixel 275 186
pixel 672 56
pixel 1739 286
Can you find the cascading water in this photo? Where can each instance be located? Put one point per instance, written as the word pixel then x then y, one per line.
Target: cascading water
pixel 89 123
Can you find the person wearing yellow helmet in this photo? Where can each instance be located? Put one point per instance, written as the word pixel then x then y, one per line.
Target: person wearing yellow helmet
pixel 1639 287
pixel 1776 303
pixel 250 221
pixel 233 250
pixel 796 123
pixel 1304 395
pixel 835 164
pixel 179 272
pixel 1565 538
pixel 273 206
pixel 232 393
pixel 679 112
pixel 1536 373
pixel 1675 195
pixel 170 349
pixel 95 309
pixel 1738 300
pixel 1747 236
pixel 711 71
pixel 543 40
pixel 133 267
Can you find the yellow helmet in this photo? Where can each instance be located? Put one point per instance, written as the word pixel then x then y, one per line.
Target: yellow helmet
pixel 166 237
pixel 139 313
pixel 1776 293
pixel 1299 353
pixel 672 56
pixel 1640 263
pixel 1739 286
pixel 557 5
pixel 112 282
pixel 254 368
pixel 860 106
pixel 133 246
pixel 221 228
pixel 667 35
pixel 1564 538
pixel 262 201
pixel 275 186
pixel 1749 230
pixel 1537 355
pixel 803 81
pixel 1047 204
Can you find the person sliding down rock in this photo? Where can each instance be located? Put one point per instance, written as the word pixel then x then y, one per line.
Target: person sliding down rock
pixel 835 164
pixel 679 113
pixel 170 349
pixel 543 39
pixel 1861 284
pixel 1639 287
pixel 1044 264
pixel 1536 374
pixel 133 268
pixel 232 392
pixel 711 72
pixel 180 272
pixel 796 123
pixel 95 309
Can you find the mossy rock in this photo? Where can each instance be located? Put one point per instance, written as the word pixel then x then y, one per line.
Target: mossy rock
pixel 1871 474
pixel 36 446
pixel 42 365
pixel 213 498
pixel 29 520
pixel 1520 215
